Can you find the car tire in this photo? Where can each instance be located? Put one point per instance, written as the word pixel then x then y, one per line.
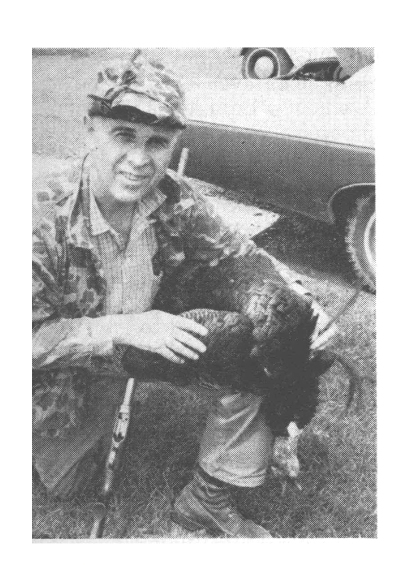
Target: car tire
pixel 275 62
pixel 360 240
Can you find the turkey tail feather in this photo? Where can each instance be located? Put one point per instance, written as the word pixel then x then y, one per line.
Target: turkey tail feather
pixel 356 379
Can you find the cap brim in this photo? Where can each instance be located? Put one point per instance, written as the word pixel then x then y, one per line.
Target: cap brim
pixel 145 104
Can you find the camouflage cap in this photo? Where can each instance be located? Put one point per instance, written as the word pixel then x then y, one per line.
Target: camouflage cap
pixel 126 87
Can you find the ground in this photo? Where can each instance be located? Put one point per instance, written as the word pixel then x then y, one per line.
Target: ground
pixel 337 450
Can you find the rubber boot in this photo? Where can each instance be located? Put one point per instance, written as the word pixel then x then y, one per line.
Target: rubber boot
pixel 205 503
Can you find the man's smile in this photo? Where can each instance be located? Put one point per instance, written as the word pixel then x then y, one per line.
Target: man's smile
pixel 134 178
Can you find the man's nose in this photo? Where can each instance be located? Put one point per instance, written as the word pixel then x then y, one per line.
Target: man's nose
pixel 138 156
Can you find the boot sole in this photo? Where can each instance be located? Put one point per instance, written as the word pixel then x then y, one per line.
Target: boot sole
pixel 190 525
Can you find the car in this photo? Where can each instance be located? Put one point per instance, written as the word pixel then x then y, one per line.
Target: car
pixel 304 146
pixel 327 64
pixel 277 62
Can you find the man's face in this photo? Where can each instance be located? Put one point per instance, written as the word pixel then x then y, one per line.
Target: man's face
pixel 128 159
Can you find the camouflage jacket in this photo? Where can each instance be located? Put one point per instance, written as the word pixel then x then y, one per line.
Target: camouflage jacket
pixel 69 286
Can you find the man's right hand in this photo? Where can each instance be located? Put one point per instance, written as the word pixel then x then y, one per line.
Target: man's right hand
pixel 165 334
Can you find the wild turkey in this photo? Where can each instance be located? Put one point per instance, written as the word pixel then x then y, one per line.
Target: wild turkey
pixel 261 344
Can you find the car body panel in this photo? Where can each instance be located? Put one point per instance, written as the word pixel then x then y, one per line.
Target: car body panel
pixel 294 144
pixel 329 111
pixel 293 173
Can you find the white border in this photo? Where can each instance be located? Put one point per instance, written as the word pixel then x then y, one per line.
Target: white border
pixel 180 24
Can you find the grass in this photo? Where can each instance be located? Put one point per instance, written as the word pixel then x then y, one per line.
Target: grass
pixel 337 450
pixel 338 474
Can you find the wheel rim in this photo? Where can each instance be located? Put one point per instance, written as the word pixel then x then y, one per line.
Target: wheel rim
pixel 369 242
pixel 264 67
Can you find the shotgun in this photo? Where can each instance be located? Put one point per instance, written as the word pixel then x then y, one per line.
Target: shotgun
pixel 119 434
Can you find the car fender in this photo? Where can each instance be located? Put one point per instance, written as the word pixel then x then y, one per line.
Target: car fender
pixel 342 199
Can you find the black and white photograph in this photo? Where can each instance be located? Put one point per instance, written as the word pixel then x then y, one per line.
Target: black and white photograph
pixel 204 288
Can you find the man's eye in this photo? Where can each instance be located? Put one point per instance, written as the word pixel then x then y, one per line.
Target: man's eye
pixel 125 136
pixel 158 143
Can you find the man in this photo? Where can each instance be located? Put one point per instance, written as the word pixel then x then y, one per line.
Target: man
pixel 105 235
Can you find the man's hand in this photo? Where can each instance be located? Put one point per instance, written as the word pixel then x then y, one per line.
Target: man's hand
pixel 165 334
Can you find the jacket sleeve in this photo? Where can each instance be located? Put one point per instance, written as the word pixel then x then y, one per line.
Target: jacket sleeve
pixel 59 342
